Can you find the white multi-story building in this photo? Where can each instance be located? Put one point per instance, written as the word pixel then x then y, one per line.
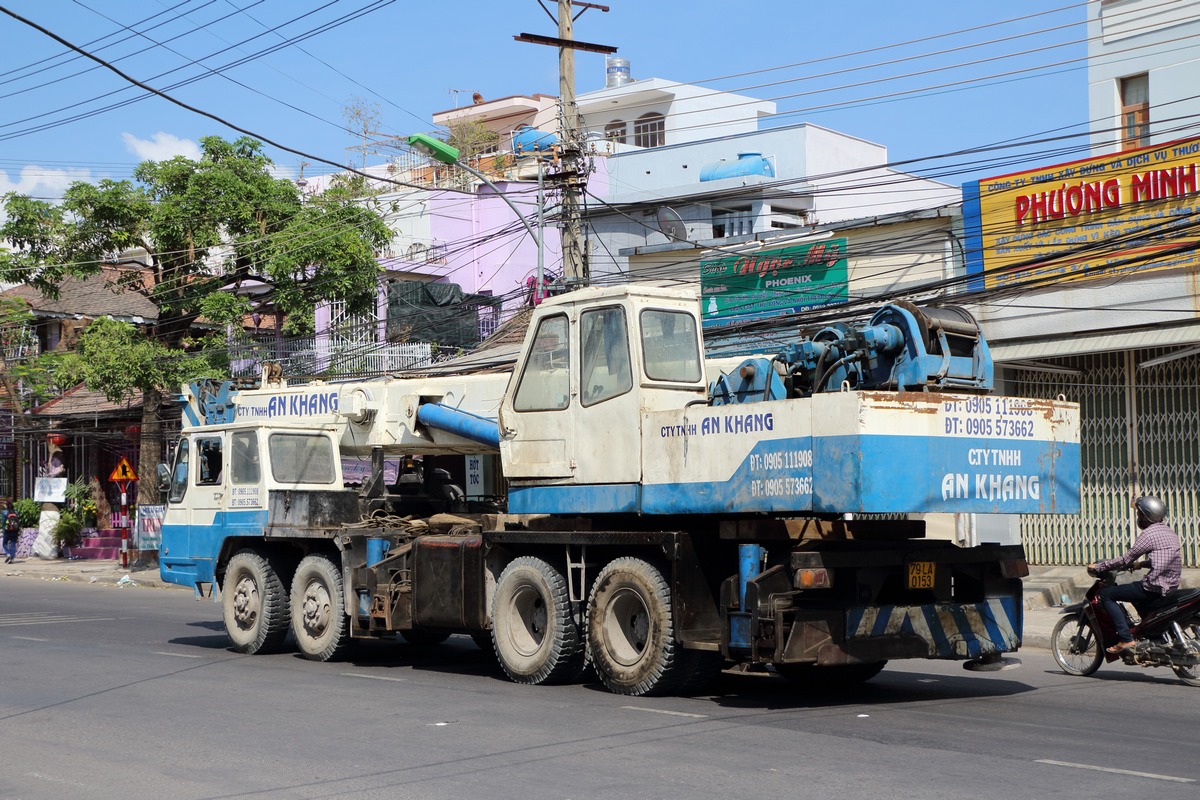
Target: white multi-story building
pixel 1143 60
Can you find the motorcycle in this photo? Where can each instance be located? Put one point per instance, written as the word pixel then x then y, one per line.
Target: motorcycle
pixel 1167 633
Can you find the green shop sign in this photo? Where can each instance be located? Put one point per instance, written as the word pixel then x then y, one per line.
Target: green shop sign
pixel 772 282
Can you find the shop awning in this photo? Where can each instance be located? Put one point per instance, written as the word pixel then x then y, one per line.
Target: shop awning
pixel 1095 342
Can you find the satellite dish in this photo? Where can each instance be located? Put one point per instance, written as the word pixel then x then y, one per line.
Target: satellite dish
pixel 671 224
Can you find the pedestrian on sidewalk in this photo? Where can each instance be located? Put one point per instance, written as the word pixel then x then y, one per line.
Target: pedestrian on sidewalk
pixel 10 523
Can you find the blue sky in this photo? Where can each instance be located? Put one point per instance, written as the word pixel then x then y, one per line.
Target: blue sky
pixel 978 75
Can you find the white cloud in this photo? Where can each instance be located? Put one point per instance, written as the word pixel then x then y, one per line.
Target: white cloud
pixel 160 147
pixel 43 183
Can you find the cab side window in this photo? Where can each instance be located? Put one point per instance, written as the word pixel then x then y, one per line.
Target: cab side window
pixel 546 381
pixel 179 475
pixel 301 458
pixel 243 462
pixel 604 356
pixel 670 346
pixel 211 462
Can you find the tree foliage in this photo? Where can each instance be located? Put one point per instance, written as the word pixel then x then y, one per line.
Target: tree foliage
pixel 471 137
pixel 206 225
pixel 188 234
pixel 114 358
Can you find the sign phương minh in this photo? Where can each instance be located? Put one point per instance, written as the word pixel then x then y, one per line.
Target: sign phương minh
pixel 1097 217
pixel 765 283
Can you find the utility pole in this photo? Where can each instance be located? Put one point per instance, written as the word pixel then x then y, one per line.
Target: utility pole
pixel 573 174
pixel 574 265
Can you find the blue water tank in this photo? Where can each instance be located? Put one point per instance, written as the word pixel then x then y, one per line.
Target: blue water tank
pixel 530 141
pixel 747 164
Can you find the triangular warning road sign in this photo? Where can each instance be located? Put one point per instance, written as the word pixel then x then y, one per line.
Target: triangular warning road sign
pixel 123 472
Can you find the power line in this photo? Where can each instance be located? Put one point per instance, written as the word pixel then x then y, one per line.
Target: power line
pixel 196 110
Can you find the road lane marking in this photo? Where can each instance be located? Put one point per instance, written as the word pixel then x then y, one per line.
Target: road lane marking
pixel 13 620
pixel 174 655
pixel 373 677
pixel 1129 772
pixel 664 711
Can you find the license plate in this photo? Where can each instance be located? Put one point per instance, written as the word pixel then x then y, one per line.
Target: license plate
pixel 920 575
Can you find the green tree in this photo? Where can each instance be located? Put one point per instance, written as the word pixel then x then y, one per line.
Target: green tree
pixel 471 137
pixel 207 226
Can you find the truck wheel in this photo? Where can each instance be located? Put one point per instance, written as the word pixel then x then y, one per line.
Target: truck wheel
pixel 533 631
pixel 254 604
pixel 631 629
pixel 319 620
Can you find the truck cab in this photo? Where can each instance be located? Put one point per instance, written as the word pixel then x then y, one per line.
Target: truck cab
pixel 221 483
pixel 594 364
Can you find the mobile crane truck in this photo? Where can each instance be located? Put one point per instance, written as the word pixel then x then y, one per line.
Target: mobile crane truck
pixel 660 519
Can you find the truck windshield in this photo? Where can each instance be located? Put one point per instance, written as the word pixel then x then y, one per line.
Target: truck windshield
pixel 546 383
pixel 179 475
pixel 605 355
pixel 669 346
pixel 301 458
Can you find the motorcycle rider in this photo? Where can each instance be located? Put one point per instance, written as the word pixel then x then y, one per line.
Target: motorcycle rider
pixel 1161 545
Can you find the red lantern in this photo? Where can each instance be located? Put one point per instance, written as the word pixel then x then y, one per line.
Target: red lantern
pixel 58 439
pixel 133 432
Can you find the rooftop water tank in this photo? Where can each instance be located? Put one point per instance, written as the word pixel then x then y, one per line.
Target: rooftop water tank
pixel 616 72
pixel 527 141
pixel 746 164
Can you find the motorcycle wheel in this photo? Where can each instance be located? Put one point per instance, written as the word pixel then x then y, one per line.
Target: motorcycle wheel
pixel 1075 646
pixel 1191 635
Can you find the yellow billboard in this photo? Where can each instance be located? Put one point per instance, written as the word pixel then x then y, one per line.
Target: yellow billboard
pixel 1110 215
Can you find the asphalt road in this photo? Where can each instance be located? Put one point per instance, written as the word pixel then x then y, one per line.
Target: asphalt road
pixel 131 693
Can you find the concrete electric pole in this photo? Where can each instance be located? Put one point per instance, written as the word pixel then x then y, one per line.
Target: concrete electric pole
pixel 572 176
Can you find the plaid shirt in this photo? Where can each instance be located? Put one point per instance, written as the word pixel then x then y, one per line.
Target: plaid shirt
pixel 1166 564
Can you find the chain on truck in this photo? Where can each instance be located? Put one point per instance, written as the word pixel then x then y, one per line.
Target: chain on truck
pixel 651 515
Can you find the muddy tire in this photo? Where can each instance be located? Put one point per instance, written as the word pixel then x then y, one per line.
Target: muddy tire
pixel 254 604
pixel 319 620
pixel 631 630
pixel 534 633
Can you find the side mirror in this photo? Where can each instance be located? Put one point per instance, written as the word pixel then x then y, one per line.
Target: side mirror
pixel 164 477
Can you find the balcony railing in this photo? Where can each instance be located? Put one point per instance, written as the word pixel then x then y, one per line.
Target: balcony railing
pixel 313 356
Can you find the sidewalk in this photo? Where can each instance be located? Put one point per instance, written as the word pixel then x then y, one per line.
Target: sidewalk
pixel 103 572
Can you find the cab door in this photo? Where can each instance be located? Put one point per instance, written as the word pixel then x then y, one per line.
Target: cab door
pixel 537 426
pixel 192 532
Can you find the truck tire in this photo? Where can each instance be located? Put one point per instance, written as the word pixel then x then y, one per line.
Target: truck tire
pixel 254 604
pixel 533 631
pixel 631 630
pixel 319 620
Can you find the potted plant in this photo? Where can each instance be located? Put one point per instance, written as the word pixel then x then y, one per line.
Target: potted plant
pixel 28 510
pixel 67 533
